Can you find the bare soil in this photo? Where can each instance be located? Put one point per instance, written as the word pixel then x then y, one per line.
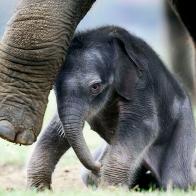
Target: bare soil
pixel 13 177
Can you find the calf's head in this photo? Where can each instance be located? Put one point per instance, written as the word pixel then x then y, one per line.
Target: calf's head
pixel 98 64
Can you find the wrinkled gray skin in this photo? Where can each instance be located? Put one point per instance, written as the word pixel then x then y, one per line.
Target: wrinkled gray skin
pixel 31 52
pixel 116 82
pixel 33 48
pixel 142 179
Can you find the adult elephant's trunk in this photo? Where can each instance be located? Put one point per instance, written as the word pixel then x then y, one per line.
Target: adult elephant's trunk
pixel 32 50
pixel 72 116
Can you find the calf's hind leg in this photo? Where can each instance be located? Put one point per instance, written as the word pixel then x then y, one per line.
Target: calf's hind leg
pixel 172 162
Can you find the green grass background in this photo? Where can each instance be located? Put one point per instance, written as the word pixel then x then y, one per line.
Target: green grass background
pixel 18 155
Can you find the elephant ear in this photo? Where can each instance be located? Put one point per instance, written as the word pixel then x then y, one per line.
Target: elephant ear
pixel 129 62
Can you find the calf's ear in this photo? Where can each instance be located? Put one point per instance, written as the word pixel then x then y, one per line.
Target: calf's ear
pixel 129 62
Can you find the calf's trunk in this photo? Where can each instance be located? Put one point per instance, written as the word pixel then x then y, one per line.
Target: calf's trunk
pixel 72 116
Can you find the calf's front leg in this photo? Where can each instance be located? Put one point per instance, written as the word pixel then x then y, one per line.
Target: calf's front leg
pixel 48 150
pixel 124 157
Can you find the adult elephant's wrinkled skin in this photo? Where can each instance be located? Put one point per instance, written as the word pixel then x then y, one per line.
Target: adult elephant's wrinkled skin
pixel 33 47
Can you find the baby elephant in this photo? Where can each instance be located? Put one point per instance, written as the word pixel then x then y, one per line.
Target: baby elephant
pixel 117 83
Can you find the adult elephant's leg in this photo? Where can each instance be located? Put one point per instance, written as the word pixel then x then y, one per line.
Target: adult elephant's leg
pixel 48 150
pixel 32 50
pixel 185 12
pixel 182 52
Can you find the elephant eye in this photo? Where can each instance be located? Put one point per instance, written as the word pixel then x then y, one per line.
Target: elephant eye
pixel 96 88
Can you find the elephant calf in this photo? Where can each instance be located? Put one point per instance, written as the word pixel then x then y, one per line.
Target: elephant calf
pixel 117 83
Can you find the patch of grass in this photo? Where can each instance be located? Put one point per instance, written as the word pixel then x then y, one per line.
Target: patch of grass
pixel 113 192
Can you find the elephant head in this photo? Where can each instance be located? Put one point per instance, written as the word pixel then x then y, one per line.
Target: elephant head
pixel 100 65
pixel 32 49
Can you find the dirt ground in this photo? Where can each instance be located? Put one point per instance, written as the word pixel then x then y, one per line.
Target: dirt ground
pixel 13 177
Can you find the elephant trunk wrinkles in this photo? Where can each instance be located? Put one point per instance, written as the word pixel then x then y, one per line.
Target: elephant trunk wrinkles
pixel 32 50
pixel 73 122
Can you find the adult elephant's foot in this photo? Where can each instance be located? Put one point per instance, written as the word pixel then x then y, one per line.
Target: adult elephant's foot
pixel 22 107
pixel 23 92
pixel 21 122
pixel 21 113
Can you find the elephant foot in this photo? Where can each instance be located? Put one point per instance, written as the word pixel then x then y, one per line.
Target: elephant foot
pixel 42 186
pixel 20 123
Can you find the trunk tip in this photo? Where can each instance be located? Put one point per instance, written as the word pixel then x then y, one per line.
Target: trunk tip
pixel 97 167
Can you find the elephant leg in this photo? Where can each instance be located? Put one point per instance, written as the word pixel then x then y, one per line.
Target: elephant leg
pixel 92 178
pixel 144 178
pixel 119 166
pixel 182 52
pixel 125 156
pixel 51 145
pixel 172 163
pixel 185 12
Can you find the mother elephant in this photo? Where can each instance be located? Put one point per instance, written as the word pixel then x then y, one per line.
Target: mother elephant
pixel 31 52
pixel 32 49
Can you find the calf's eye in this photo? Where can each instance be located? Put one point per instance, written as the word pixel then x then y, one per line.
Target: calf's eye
pixel 95 88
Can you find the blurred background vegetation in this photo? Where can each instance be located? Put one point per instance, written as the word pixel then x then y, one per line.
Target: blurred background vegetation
pixel 144 18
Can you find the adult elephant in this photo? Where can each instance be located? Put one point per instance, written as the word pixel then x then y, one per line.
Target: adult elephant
pixel 185 12
pixel 31 52
pixel 32 49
